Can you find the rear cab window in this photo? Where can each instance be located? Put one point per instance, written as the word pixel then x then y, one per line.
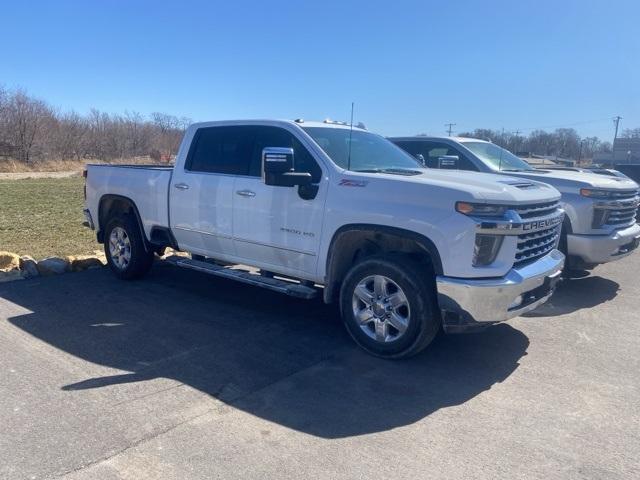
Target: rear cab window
pixel 225 150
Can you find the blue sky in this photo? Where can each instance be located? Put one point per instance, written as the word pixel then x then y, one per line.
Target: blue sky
pixel 409 66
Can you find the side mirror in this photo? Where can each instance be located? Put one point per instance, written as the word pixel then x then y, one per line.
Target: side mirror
pixel 421 159
pixel 277 168
pixel 448 162
pixel 277 160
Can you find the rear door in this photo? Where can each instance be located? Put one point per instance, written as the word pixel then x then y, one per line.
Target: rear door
pixel 201 206
pixel 279 226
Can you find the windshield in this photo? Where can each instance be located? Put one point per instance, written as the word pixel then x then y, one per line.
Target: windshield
pixel 369 152
pixel 497 158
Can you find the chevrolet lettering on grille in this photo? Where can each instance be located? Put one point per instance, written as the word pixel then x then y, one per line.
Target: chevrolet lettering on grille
pixel 540 224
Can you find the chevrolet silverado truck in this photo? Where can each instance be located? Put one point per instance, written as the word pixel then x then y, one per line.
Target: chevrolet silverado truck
pixel 309 208
pixel 600 221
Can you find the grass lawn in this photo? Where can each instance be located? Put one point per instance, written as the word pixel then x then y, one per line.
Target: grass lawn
pixel 43 217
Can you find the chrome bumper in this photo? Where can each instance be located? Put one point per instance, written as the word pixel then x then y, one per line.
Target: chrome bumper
pixel 594 249
pixel 467 303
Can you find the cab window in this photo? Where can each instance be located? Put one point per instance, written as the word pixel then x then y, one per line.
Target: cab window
pixel 432 151
pixel 221 150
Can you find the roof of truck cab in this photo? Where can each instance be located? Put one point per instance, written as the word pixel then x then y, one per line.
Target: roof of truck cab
pixel 431 138
pixel 274 122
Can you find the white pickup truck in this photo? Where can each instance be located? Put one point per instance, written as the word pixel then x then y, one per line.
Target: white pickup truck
pixel 600 222
pixel 321 207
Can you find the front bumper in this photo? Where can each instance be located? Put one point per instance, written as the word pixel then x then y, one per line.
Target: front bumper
pixel 594 249
pixel 468 303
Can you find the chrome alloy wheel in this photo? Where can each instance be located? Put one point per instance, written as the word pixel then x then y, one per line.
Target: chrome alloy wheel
pixel 120 247
pixel 381 308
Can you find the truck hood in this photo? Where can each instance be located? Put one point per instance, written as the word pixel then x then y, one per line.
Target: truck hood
pixel 484 187
pixel 566 180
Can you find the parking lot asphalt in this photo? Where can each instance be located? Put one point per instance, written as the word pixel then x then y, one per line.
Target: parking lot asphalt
pixel 182 375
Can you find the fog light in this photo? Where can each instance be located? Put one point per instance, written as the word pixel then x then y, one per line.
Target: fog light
pixel 600 217
pixel 486 249
pixel 516 303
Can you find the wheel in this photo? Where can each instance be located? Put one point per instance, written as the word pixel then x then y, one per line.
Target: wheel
pixel 389 307
pixel 125 249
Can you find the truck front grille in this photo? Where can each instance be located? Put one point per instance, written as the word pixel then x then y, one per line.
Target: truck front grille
pixel 532 246
pixel 622 216
pixel 536 244
pixel 618 213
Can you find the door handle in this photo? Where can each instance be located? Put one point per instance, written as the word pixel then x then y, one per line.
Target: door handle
pixel 181 186
pixel 246 193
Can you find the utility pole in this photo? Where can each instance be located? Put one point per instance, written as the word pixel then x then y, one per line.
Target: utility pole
pixel 516 134
pixel 449 127
pixel 616 120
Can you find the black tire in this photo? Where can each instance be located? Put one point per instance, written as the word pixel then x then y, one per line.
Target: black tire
pixel 417 282
pixel 140 260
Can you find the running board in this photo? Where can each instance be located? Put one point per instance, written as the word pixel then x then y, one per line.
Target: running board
pixel 281 286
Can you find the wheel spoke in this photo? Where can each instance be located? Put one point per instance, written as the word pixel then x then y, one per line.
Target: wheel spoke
pixel 364 294
pixel 380 285
pixel 381 331
pixel 398 322
pixel 364 316
pixel 398 299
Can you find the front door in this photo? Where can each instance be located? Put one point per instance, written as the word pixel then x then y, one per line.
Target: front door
pixel 279 226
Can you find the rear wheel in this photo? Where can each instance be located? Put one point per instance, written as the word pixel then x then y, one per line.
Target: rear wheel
pixel 125 249
pixel 388 305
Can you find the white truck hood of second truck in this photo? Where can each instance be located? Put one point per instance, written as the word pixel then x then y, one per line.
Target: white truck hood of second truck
pixel 565 180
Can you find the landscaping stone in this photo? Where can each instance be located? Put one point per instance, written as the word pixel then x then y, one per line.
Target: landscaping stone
pixel 77 263
pixel 29 267
pixel 52 266
pixel 9 261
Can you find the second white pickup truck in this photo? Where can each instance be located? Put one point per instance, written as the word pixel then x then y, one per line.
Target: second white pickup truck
pixel 321 207
pixel 600 221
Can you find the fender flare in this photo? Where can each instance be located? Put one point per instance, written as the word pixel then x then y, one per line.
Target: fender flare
pixel 331 268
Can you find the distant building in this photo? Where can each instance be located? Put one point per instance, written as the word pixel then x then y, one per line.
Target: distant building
pixel 626 150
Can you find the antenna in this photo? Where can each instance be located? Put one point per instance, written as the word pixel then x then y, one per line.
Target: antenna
pixel 502 141
pixel 350 133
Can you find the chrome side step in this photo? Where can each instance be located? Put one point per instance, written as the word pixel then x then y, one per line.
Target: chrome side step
pixel 281 286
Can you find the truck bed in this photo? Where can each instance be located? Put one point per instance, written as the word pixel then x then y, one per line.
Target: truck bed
pixel 146 185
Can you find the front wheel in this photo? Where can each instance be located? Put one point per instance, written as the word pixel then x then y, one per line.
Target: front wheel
pixel 389 306
pixel 125 249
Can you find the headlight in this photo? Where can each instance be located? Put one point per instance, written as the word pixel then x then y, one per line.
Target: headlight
pixel 596 193
pixel 480 209
pixel 486 249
